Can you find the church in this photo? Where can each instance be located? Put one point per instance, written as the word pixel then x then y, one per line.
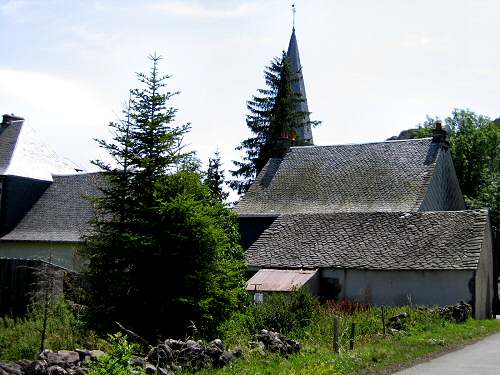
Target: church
pixel 381 223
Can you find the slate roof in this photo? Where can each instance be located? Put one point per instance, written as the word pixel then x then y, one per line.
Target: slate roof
pixel 22 154
pixel 384 176
pixel 62 213
pixel 433 240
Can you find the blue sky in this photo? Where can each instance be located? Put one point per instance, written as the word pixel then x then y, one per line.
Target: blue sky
pixel 371 68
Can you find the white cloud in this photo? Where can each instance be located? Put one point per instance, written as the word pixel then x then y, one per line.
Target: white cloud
pixel 62 97
pixel 200 11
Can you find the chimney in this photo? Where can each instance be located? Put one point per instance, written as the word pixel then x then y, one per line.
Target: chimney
pixel 9 119
pixel 439 134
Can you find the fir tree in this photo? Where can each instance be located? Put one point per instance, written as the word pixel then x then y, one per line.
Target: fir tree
pixel 273 115
pixel 214 177
pixel 162 247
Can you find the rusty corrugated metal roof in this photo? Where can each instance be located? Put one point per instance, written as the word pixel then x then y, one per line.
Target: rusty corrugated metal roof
pixel 272 280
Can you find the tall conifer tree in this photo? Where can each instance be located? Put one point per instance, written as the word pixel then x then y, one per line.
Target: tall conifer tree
pixel 273 114
pixel 164 251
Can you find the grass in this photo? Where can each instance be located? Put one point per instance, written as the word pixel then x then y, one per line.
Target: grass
pixel 424 334
pixel 20 338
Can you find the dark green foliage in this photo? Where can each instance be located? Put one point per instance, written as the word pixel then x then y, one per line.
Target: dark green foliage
pixel 214 177
pixel 196 260
pixel 165 252
pixel 146 145
pixel 281 312
pixel 475 147
pixel 273 115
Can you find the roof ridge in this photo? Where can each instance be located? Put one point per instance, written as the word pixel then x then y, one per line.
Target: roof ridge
pixel 365 143
pixel 482 211
pixel 83 173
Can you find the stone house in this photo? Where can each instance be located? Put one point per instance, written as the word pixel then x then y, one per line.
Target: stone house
pixel 43 209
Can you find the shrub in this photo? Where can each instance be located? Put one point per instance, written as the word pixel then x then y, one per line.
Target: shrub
pixel 118 361
pixel 281 312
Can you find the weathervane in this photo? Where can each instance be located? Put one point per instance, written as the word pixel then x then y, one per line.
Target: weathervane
pixel 293 12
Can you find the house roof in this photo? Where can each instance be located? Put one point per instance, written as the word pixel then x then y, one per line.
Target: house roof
pixel 433 240
pixel 22 154
pixel 62 214
pixel 384 176
pixel 271 280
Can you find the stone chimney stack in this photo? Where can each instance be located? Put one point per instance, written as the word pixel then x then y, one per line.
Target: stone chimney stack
pixel 439 134
pixel 9 119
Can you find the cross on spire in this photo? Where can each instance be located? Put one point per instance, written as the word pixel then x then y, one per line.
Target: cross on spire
pixel 293 12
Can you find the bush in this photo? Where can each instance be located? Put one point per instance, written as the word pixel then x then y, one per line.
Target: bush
pixel 20 337
pixel 282 312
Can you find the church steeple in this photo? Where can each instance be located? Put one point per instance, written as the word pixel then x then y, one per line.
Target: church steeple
pixel 304 132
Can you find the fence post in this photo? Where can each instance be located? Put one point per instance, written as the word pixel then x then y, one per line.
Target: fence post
pixel 383 319
pixel 336 334
pixel 351 338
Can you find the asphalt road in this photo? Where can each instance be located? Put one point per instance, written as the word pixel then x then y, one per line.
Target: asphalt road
pixel 482 357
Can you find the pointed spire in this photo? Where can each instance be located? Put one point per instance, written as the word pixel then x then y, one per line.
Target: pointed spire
pixel 304 132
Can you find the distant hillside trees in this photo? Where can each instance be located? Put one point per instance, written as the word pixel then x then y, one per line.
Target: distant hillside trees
pixel 272 116
pixel 165 251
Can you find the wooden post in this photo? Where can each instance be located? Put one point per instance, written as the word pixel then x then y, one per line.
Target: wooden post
pixel 336 334
pixel 351 338
pixel 383 319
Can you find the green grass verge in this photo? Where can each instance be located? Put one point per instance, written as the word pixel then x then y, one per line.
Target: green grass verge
pixel 425 335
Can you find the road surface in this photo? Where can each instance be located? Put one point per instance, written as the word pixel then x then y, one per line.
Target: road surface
pixel 481 358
